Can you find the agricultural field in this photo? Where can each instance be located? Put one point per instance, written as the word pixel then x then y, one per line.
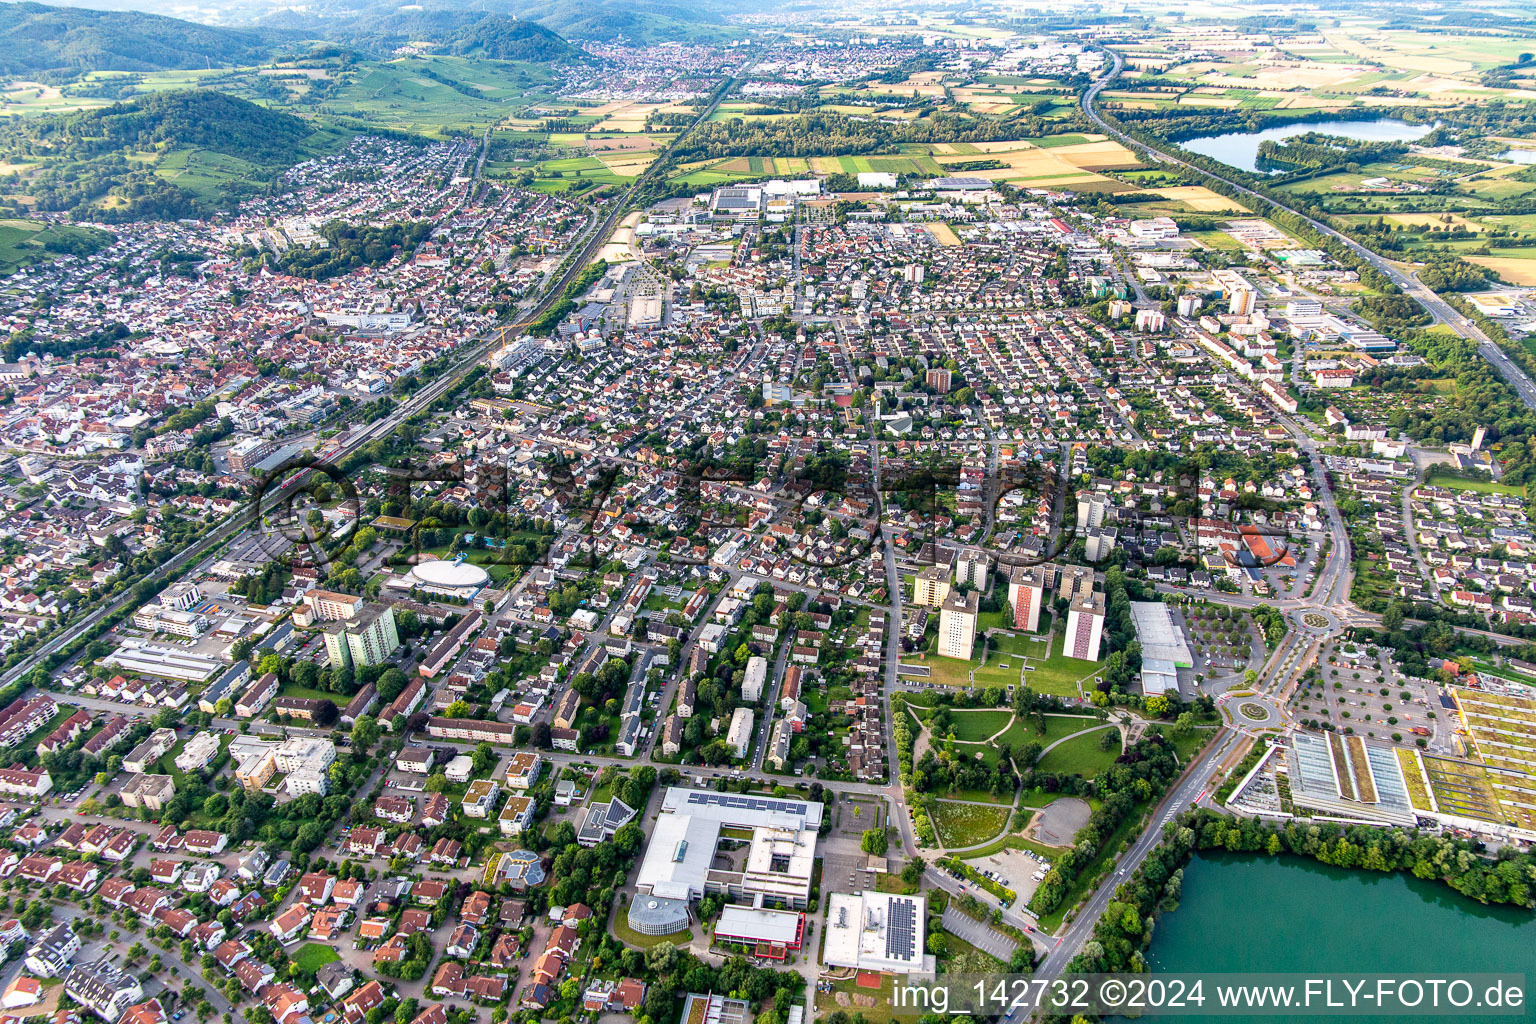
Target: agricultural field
pixel 1050 161
pixel 29 99
pixel 1351 63
pixel 724 170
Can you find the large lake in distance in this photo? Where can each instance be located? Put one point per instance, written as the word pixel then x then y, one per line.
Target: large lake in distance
pixel 1241 149
pixel 1240 912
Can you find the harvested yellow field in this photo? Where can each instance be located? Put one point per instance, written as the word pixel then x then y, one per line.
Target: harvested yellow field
pixel 623 144
pixel 1000 147
pixel 624 117
pixel 1306 75
pixel 1516 272
pixel 944 148
pixel 1025 161
pixel 1201 199
pixel 628 165
pixel 943 233
pixel 826 165
pixel 992 108
pixel 1097 155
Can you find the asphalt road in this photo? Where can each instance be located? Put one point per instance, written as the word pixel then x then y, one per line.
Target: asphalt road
pixel 468 361
pixel 1434 304
pixel 1183 796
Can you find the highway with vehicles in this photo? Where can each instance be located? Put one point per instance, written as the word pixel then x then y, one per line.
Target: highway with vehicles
pixel 1437 307
pixel 1330 595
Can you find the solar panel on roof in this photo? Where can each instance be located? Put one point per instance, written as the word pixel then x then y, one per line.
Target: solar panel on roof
pixel 901 931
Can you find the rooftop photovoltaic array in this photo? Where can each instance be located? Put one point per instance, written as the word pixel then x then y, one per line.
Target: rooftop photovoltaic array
pixel 748 803
pixel 901 932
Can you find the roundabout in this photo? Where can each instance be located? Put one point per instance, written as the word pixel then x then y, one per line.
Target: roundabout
pixel 1254 711
pixel 1317 621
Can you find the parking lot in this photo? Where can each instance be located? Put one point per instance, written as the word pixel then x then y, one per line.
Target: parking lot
pixel 1349 695
pixel 1015 869
pixel 984 937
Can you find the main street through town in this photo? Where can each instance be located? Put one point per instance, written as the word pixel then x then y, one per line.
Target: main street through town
pixel 1322 610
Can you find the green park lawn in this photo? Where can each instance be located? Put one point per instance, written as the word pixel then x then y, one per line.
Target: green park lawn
pixel 629 936
pixel 1057 727
pixel 944 671
pixel 1080 756
pixel 999 669
pixel 1459 483
pixel 976 726
pixel 1058 674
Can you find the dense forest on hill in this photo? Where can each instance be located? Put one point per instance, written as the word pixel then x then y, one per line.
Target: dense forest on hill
pixel 172 120
pixel 86 152
pixel 498 37
pixel 472 33
pixel 612 21
pixel 36 39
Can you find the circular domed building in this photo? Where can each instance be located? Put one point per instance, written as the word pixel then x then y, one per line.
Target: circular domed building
pixel 452 579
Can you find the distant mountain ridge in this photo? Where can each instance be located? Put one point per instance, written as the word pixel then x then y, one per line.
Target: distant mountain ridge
pixel 371 24
pixel 469 33
pixel 35 38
